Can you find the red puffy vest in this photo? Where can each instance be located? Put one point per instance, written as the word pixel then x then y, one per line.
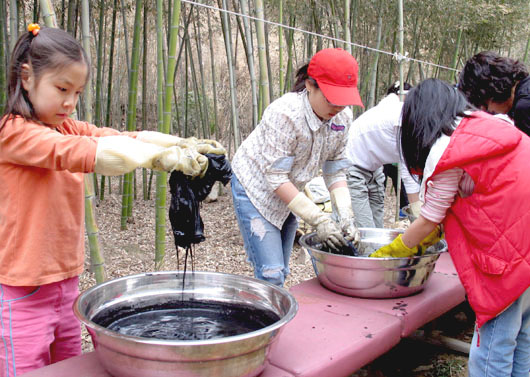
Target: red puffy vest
pixel 488 232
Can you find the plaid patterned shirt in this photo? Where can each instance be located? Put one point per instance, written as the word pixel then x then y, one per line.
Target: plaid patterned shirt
pixel 290 144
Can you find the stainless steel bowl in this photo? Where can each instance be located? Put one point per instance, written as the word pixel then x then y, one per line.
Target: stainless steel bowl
pixel 367 277
pixel 131 356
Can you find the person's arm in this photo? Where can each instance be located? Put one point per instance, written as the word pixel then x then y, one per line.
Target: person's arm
pixel 413 198
pixel 286 191
pixel 425 231
pixel 327 231
pixel 417 231
pixel 412 187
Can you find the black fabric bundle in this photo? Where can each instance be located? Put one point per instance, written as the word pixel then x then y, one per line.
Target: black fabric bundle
pixel 186 195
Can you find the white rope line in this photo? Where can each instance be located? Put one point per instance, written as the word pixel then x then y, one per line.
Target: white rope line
pixel 399 57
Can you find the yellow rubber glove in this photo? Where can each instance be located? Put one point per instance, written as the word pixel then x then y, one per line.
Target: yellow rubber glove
pixel 185 160
pixel 327 231
pixel 340 198
pixel 434 237
pixel 395 249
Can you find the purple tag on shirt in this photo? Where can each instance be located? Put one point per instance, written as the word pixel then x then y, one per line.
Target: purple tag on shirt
pixel 337 127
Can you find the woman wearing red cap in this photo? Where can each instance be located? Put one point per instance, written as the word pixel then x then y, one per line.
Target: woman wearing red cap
pixel 300 133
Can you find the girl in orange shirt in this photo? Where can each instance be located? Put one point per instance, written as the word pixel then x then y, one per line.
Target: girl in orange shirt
pixel 43 157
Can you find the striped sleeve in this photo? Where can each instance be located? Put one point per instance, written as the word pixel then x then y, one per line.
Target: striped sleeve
pixel 440 194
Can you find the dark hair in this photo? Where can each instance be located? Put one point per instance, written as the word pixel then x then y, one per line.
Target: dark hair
pixel 429 111
pixel 394 88
pixel 50 49
pixel 301 76
pixel 487 75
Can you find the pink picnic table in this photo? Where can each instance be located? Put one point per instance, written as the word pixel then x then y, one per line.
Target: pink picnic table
pixel 332 334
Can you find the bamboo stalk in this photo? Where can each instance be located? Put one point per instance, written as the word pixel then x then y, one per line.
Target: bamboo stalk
pixel 401 97
pixel 347 32
pixel 97 262
pixel 206 120
pixel 99 67
pixel 280 47
pixel 48 13
pixel 108 122
pixel 231 75
pixel 144 92
pixel 373 79
pixel 71 16
pixel 161 187
pixel 262 55
pixel 3 62
pixel 214 85
pixel 13 24
pixel 527 47
pixel 250 61
pixel 127 198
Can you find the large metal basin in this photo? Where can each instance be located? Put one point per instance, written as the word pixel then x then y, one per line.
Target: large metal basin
pixel 367 277
pixel 131 356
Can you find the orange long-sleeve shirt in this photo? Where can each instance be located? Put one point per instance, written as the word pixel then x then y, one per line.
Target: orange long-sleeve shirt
pixel 42 199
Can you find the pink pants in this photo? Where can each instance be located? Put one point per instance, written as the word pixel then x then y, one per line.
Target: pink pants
pixel 37 326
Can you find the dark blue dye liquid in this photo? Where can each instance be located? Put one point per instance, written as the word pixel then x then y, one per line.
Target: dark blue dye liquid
pixel 186 320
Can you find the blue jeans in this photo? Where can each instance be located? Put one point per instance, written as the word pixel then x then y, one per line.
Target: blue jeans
pixel 504 348
pixel 268 248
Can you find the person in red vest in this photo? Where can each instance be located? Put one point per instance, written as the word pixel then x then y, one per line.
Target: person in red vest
pixel 475 183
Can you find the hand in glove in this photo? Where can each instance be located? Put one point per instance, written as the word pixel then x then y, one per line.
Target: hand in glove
pixel 433 238
pixel 205 146
pixel 185 160
pixel 202 146
pixel 397 249
pixel 340 198
pixel 327 231
pixel 117 155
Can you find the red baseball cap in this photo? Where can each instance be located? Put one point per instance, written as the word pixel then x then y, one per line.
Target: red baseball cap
pixel 336 73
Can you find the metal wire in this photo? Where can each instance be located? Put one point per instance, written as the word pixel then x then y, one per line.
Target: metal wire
pixel 399 57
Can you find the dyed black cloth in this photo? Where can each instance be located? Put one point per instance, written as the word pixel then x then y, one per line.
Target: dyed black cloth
pixel 186 195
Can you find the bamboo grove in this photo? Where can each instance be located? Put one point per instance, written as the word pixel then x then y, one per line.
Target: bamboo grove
pixel 208 68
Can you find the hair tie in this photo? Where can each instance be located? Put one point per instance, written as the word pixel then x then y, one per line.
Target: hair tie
pixel 34 29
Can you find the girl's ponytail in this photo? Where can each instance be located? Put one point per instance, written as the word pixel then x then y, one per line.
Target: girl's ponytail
pixel 17 100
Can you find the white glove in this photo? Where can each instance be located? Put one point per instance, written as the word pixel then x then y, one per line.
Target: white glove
pixel 415 208
pixel 340 198
pixel 117 155
pixel 327 230
pixel 202 146
pixel 185 160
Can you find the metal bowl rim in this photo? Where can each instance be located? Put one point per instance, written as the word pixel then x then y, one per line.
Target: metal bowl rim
pixel 151 341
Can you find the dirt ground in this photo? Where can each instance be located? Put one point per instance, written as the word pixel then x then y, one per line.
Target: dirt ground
pixel 132 251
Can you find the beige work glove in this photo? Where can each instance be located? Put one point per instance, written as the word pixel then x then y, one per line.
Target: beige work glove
pixel 415 208
pixel 202 146
pixel 117 155
pixel 327 231
pixel 185 160
pixel 340 198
